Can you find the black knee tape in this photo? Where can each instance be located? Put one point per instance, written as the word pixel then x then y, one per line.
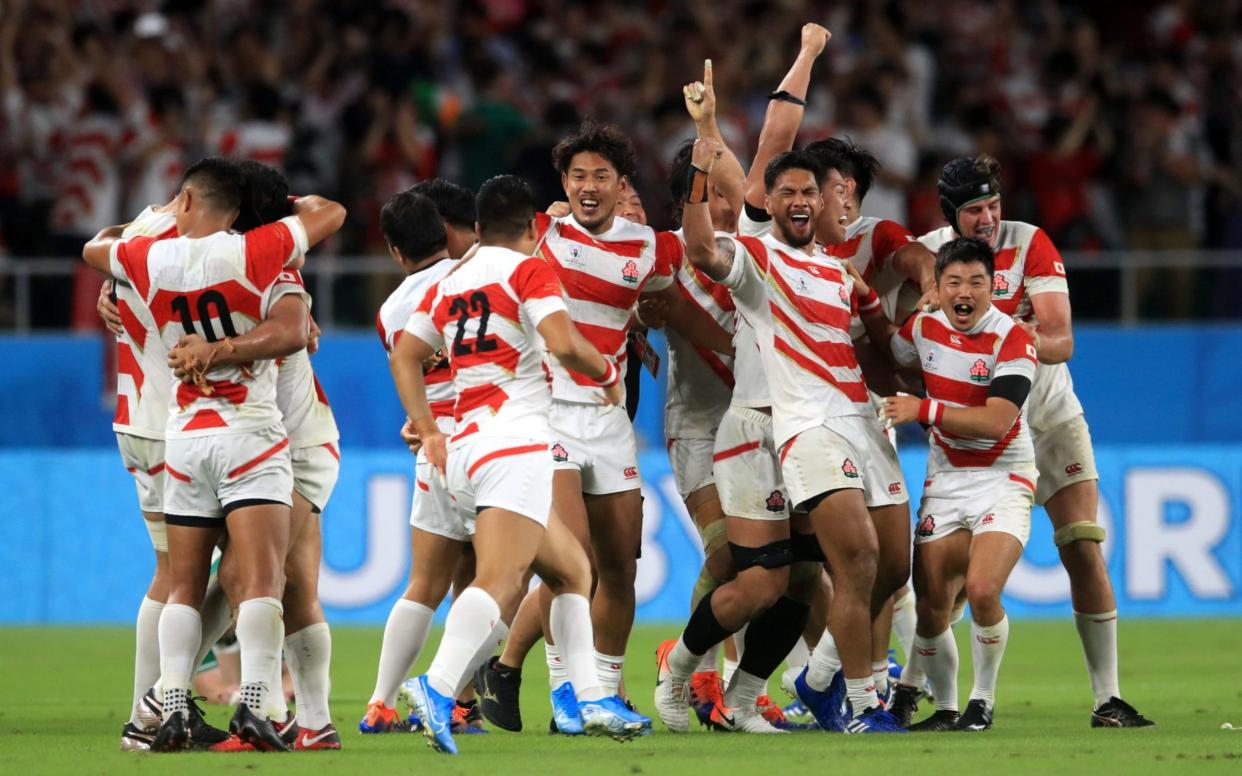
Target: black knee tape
pixel 806 549
pixel 773 555
pixel 771 635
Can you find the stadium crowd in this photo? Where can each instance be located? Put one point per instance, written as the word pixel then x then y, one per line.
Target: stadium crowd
pixel 1118 124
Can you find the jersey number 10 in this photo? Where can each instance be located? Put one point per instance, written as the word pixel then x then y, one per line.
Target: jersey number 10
pixel 210 303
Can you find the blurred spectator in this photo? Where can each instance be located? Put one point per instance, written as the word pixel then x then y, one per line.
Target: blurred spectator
pixel 1118 124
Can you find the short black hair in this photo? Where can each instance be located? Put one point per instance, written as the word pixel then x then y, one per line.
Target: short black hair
pixel 506 206
pixel 965 250
pixel 607 140
pixel 455 203
pixel 219 181
pixel 412 224
pixel 679 177
pixel 848 158
pixel 265 198
pixel 791 160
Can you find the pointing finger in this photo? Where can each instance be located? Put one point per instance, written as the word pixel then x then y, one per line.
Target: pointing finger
pixel 707 73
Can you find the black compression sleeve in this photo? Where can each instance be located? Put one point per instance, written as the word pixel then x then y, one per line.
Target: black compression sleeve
pixel 1012 387
pixel 757 214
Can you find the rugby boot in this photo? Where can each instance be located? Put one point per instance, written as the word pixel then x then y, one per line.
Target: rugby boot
pixel 1118 713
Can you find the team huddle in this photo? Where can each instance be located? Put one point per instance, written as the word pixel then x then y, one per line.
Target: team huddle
pixel 800 334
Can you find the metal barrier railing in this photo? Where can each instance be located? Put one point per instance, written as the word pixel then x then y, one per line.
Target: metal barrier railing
pixel 323 272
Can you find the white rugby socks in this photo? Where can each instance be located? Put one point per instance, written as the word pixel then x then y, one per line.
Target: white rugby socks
pixel 608 668
pixel 468 629
pixel 861 693
pixel 486 650
pixel 744 690
pixel 710 662
pixel 824 664
pixel 260 636
pixel 146 652
pixel 1098 633
pixel 310 657
pixel 571 628
pixel 879 675
pixel 904 619
pixel 180 630
pixel 800 655
pixel 557 675
pixel 405 634
pixel 987 647
pixel 938 657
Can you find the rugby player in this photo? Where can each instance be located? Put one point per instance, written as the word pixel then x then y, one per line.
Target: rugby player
pixel 975 517
pixel 498 470
pixel 1030 285
pixel 225 464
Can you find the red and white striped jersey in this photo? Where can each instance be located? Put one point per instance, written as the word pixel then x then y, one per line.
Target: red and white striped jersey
pixel 484 315
pixel 89 186
pixel 216 286
pixel 603 275
pixel 700 381
pixel 303 405
pixel 141 359
pixel 869 245
pixel 390 322
pixel 958 367
pixel 750 376
pixel 1027 263
pixel 800 307
pixel 263 141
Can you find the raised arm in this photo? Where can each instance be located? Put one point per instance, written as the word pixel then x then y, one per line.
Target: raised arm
pixel 320 217
pixel 784 115
pixel 98 250
pixel 707 252
pixel 728 175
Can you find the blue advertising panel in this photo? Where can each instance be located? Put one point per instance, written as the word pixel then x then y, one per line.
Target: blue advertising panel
pixel 76 550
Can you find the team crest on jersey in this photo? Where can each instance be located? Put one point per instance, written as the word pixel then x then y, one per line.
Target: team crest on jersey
pixel 629 273
pixel 849 469
pixel 775 501
pixel 845 298
pixel 979 371
pixel 927 526
pixel 559 453
pixel 1000 285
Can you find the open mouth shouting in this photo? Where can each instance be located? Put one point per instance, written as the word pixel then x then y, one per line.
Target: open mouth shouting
pixel 800 220
pixel 962 311
pixel 589 206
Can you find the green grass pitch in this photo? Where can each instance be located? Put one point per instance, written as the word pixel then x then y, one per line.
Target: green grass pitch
pixel 64 691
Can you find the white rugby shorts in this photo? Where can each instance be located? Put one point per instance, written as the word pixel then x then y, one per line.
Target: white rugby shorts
pixel 144 459
pixel 433 510
pixel 209 476
pixel 315 471
pixel 598 442
pixel 976 500
pixel 849 451
pixel 691 459
pixel 512 473
pixel 747 472
pixel 1064 456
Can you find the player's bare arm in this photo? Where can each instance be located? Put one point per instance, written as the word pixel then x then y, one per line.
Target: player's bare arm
pixel 406 365
pixel 712 254
pixel 784 115
pixel 691 322
pixel 880 329
pixel 728 175
pixel 991 421
pixel 321 217
pixel 1054 337
pixel 285 331
pixel 914 261
pixel 563 340
pixel 109 313
pixel 97 251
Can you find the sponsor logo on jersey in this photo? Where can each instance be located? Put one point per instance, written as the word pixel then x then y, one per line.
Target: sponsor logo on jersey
pixel 629 273
pixel 979 371
pixel 631 472
pixel 955 340
pixel 559 453
pixel 1073 468
pixel 926 526
pixel 775 501
pixel 848 468
pixel 894 488
pixel 1000 285
pixel 988 519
